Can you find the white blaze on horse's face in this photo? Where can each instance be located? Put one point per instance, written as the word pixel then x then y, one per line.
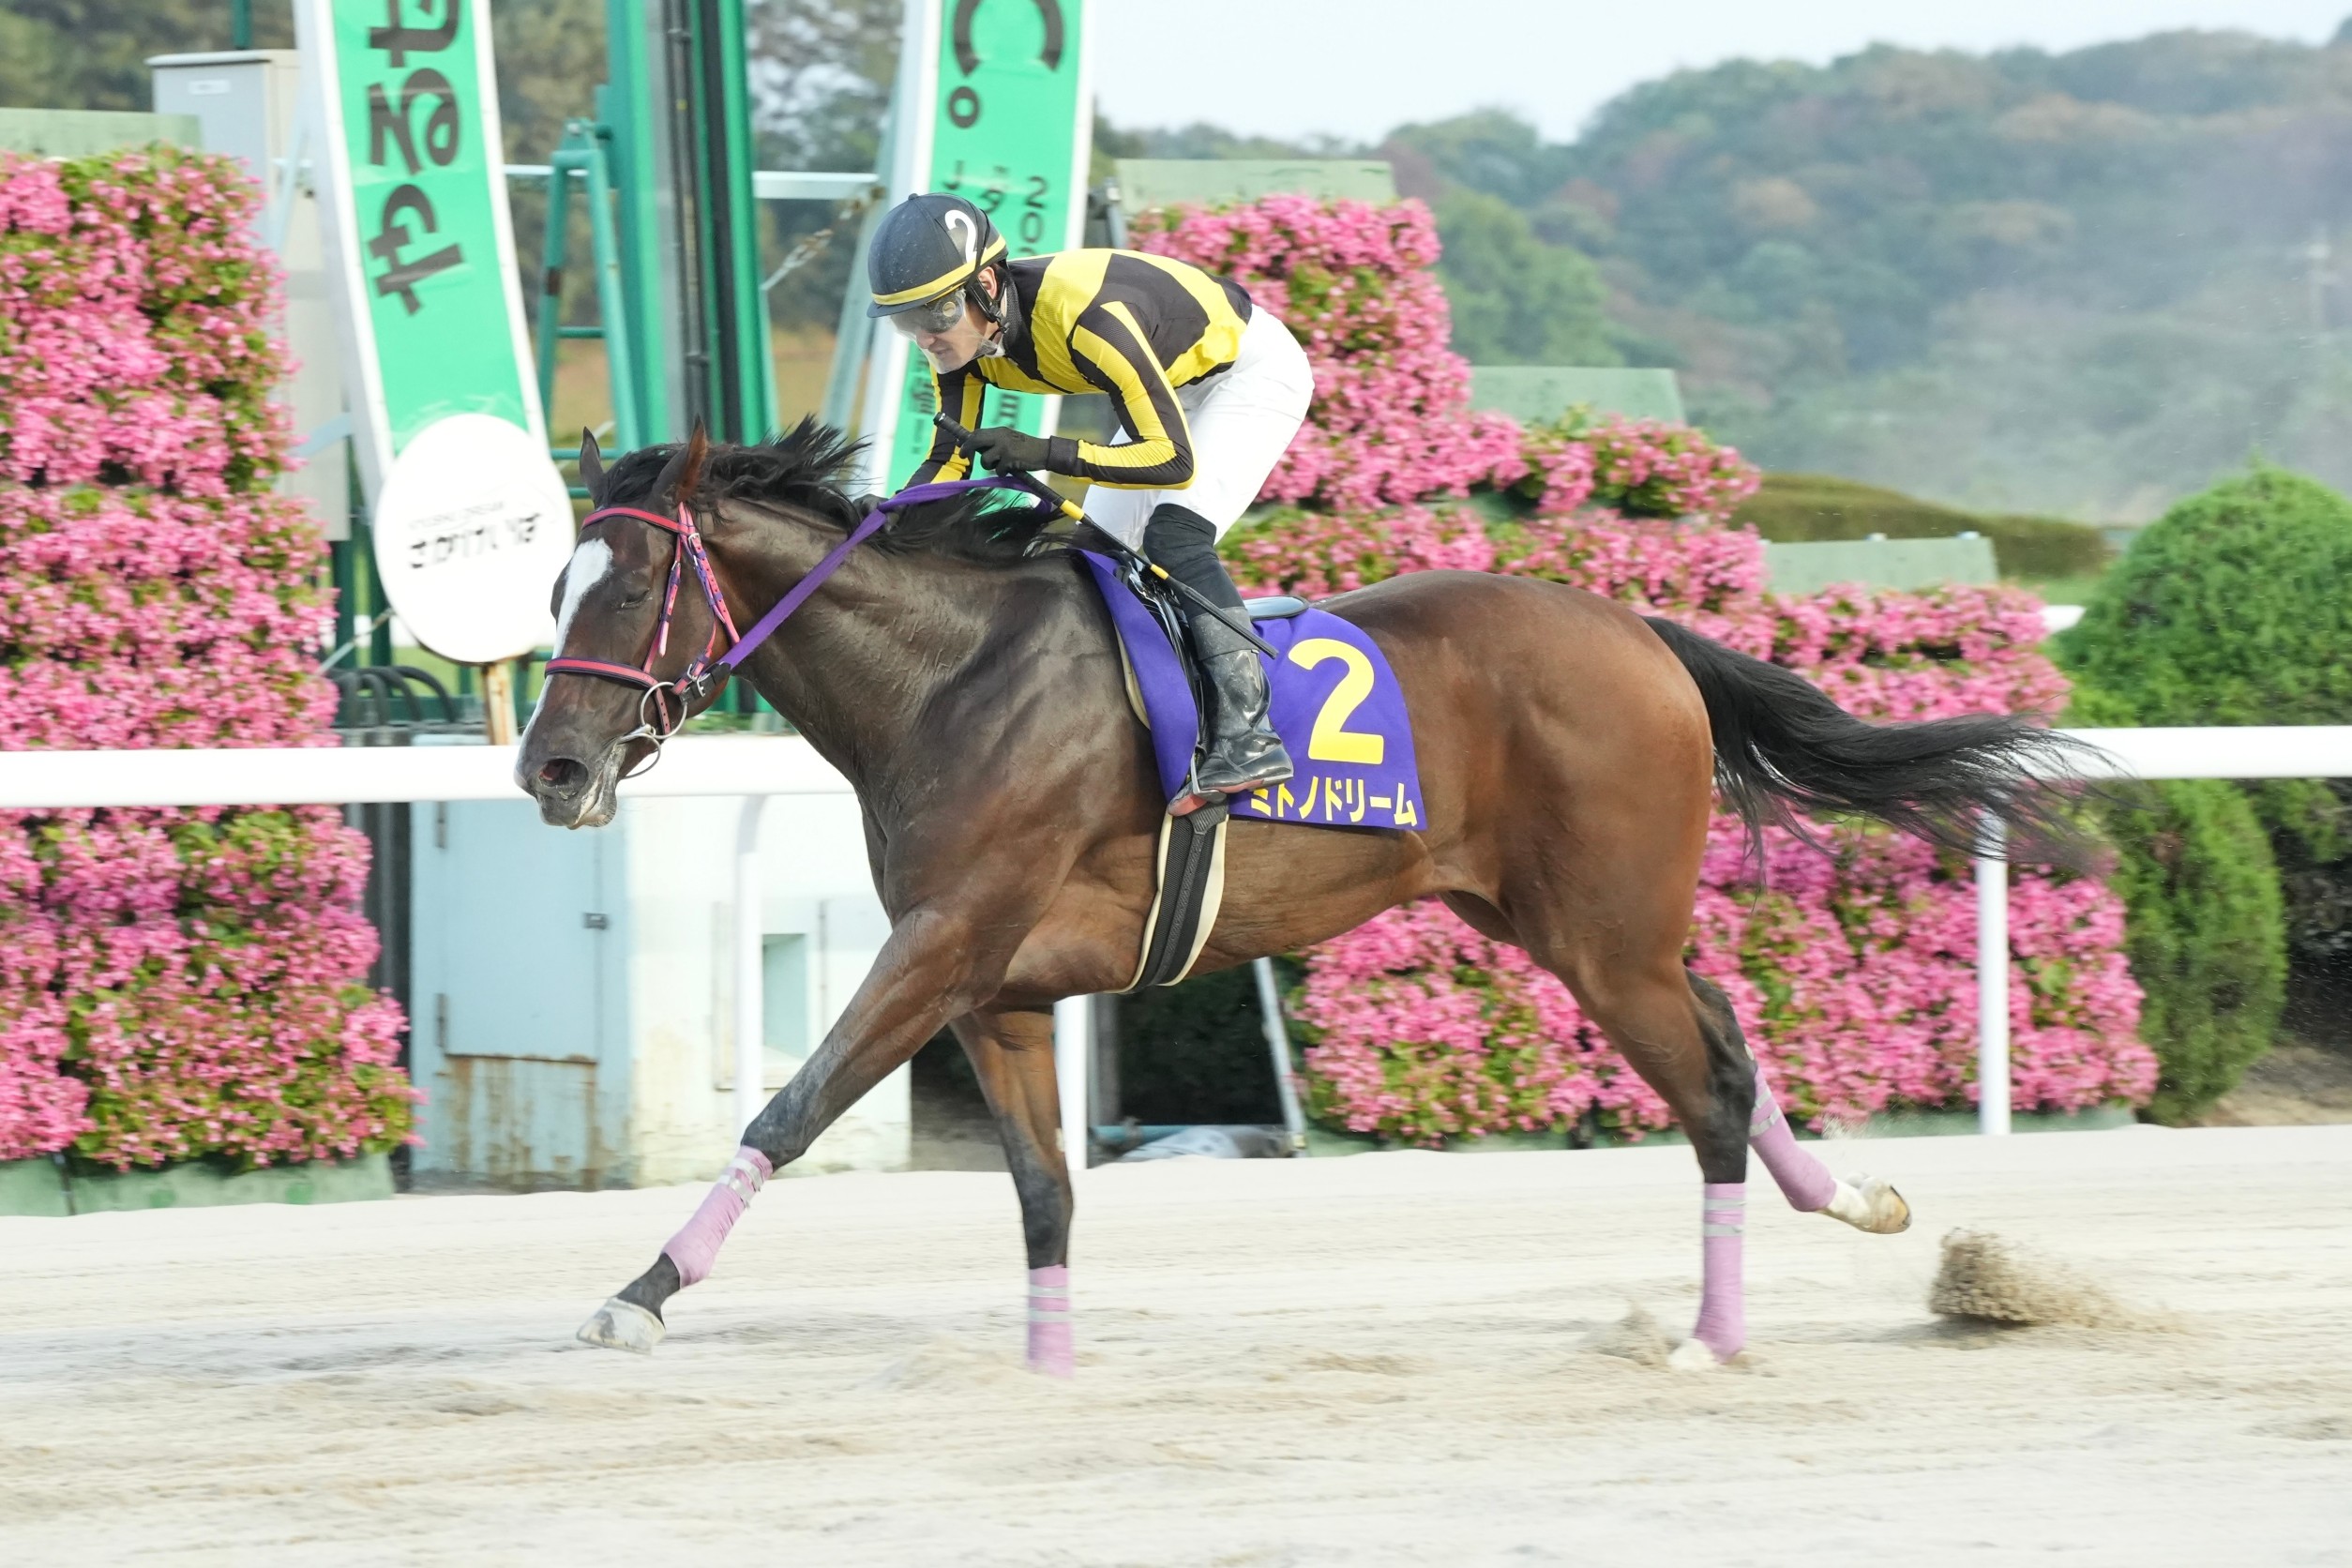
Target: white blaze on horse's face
pixel 590 564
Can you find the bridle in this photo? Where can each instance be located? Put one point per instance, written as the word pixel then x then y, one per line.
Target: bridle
pixel 709 669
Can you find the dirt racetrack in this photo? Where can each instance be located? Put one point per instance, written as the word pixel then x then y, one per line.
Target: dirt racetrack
pixel 1383 1360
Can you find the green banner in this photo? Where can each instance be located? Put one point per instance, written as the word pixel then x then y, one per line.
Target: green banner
pixel 427 251
pixel 1007 119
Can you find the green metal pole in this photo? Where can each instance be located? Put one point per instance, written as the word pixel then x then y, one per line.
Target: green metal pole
pixel 551 257
pixel 240 23
pixel 731 216
pixel 629 110
pixel 615 303
pixel 339 555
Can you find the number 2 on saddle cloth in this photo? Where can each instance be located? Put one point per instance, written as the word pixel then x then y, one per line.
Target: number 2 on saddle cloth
pixel 1335 701
pixel 1335 705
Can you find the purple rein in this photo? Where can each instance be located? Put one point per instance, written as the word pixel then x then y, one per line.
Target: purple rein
pixel 704 671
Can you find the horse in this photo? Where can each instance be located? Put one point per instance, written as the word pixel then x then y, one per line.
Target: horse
pixel 960 670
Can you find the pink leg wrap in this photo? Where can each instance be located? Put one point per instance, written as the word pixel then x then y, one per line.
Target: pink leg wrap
pixel 695 1247
pixel 1723 1320
pixel 1805 1182
pixel 1050 1321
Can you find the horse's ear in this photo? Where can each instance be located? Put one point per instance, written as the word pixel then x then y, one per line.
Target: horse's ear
pixel 590 467
pixel 684 470
pixel 698 449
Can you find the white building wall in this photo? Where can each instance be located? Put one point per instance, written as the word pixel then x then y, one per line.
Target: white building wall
pixel 575 991
pixel 816 888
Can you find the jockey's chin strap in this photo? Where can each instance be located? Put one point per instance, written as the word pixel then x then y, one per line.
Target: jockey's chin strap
pixel 708 669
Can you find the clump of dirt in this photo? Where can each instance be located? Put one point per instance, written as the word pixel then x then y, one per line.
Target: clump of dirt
pixel 1636 1337
pixel 1986 1278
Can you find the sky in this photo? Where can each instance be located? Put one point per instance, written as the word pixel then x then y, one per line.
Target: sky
pixel 1296 67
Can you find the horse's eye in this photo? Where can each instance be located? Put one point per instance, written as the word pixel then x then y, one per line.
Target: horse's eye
pixel 633 600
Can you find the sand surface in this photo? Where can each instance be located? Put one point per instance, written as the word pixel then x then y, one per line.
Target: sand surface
pixel 1385 1360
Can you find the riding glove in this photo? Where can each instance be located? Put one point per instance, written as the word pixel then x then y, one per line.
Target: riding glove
pixel 1004 449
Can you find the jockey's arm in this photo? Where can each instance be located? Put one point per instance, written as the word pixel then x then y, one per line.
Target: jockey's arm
pixel 1111 351
pixel 960 392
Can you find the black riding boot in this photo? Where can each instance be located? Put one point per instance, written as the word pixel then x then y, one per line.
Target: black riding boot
pixel 1243 752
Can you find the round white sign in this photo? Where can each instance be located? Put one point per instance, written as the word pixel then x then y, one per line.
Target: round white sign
pixel 471 526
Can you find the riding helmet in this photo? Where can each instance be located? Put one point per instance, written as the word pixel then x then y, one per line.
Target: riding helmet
pixel 927 247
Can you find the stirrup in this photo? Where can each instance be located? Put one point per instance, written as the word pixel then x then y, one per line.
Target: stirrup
pixel 1273 768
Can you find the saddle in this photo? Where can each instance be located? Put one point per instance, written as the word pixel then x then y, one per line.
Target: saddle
pixel 1335 703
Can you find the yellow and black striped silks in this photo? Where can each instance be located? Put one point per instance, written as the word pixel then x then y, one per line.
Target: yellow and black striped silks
pixel 1135 327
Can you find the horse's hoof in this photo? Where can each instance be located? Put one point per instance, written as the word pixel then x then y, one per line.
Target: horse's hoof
pixel 1693 1355
pixel 1871 1203
pixel 619 1325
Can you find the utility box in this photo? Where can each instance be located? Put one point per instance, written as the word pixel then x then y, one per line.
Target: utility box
pixel 248 103
pixel 573 1023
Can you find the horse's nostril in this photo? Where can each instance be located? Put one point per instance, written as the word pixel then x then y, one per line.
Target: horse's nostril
pixel 562 772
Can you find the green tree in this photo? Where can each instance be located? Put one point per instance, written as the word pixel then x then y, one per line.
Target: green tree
pixel 550 57
pixel 93 53
pixel 1490 150
pixel 1517 300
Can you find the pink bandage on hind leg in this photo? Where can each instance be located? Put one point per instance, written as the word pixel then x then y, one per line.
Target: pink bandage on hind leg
pixel 695 1247
pixel 1805 1182
pixel 1723 1316
pixel 1050 1348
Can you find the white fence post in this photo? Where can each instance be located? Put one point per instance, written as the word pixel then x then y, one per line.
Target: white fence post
pixel 1991 981
pixel 1278 1047
pixel 1073 1063
pixel 752 1019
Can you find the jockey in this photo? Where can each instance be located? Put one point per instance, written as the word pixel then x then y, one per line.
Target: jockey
pixel 1207 392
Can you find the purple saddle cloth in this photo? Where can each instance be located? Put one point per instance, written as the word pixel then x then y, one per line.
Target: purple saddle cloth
pixel 1336 706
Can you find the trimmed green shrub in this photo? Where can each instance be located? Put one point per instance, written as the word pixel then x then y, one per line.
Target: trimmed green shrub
pixel 2235 607
pixel 2206 935
pixel 2205 923
pixel 2231 609
pixel 1796 507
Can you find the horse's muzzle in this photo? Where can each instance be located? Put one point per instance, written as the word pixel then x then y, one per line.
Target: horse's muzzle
pixel 570 792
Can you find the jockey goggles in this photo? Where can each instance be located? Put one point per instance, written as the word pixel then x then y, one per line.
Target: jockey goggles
pixel 933 315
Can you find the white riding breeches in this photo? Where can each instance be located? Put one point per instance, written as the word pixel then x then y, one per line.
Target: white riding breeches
pixel 1241 422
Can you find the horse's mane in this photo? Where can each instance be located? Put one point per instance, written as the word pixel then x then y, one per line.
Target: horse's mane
pixel 807 467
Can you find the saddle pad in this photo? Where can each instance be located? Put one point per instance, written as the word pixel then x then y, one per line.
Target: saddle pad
pixel 1336 706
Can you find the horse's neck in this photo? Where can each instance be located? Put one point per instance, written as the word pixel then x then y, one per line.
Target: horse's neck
pixel 858 668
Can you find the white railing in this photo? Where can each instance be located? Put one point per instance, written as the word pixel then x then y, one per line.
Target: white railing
pixel 757 767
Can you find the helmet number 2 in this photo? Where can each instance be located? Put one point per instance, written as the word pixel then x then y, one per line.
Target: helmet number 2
pixel 960 224
pixel 1331 741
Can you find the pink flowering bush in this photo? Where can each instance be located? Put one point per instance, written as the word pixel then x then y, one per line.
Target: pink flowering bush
pixel 1391 421
pixel 1853 973
pixel 173 984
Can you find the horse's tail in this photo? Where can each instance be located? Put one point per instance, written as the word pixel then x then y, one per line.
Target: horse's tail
pixel 1783 748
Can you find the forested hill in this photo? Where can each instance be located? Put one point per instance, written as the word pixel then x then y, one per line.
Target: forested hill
pixel 2082 283
pixel 2079 283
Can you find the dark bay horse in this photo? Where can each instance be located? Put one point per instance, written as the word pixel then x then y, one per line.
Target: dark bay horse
pixel 959 670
